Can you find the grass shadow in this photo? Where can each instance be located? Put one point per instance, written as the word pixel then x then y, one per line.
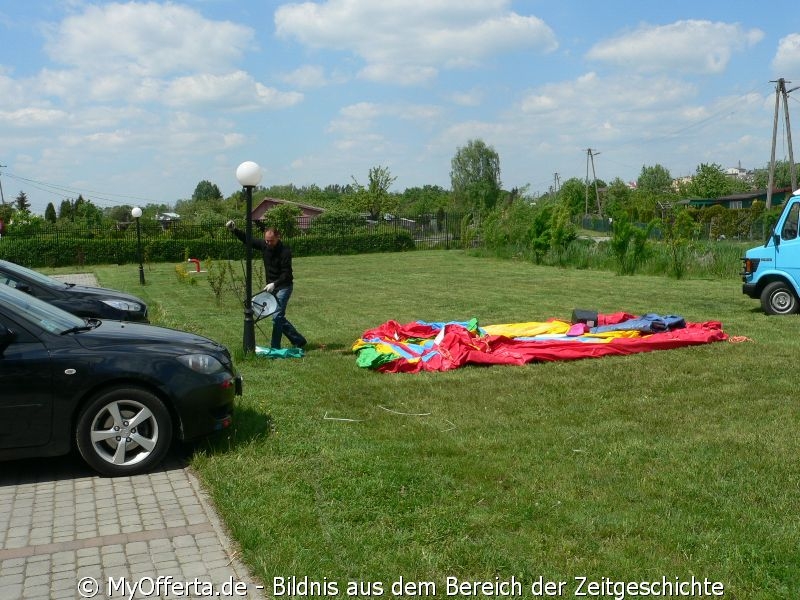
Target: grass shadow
pixel 248 426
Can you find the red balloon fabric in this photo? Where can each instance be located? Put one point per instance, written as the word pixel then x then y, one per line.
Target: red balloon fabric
pixel 418 346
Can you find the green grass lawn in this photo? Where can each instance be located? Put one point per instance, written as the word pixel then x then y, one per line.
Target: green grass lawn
pixel 673 464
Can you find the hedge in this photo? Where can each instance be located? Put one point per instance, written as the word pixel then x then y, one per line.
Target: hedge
pixel 59 253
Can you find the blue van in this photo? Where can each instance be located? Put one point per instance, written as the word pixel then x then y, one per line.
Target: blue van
pixel 771 272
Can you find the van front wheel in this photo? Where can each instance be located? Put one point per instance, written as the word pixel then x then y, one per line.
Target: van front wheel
pixel 778 298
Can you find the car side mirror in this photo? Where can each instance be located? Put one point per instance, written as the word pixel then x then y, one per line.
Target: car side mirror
pixel 776 239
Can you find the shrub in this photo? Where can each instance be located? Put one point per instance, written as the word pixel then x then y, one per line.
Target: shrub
pixel 628 244
pixel 337 222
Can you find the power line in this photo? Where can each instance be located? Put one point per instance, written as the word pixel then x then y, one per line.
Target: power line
pixel 94 195
pixel 727 109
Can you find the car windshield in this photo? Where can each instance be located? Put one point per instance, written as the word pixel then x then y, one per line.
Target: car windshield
pixel 39 313
pixel 14 268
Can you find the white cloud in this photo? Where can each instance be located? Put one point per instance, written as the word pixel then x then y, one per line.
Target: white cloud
pixel 12 93
pixel 690 46
pixel 787 59
pixel 233 90
pixel 233 140
pixel 306 77
pixel 32 117
pixel 398 74
pixel 137 53
pixel 146 39
pixel 361 116
pixel 409 41
pixel 591 95
pixel 473 97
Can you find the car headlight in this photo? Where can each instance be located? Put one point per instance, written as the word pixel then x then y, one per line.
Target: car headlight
pixel 123 305
pixel 202 363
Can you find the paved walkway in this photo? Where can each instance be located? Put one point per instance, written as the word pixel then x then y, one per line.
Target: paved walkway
pixel 67 533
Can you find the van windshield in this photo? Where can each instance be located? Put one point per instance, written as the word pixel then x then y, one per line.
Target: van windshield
pixel 789 229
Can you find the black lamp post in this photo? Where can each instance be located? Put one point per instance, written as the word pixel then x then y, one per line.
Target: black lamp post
pixel 136 213
pixel 249 176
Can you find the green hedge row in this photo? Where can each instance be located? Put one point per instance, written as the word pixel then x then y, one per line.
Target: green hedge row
pixel 52 253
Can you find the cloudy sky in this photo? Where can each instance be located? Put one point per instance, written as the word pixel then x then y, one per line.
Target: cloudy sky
pixel 136 102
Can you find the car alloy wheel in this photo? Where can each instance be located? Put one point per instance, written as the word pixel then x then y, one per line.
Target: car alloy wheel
pixel 124 431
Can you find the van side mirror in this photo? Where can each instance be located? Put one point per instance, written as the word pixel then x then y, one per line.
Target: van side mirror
pixel 776 240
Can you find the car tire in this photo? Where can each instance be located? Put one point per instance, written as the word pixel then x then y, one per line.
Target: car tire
pixel 124 431
pixel 778 298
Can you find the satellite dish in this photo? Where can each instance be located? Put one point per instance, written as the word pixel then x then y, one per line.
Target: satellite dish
pixel 264 304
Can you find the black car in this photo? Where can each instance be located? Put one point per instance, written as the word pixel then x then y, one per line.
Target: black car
pixel 78 299
pixel 118 392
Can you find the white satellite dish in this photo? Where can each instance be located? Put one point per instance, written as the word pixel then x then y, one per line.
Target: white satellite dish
pixel 264 304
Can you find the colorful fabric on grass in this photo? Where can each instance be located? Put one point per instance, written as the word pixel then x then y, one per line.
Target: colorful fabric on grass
pixel 421 346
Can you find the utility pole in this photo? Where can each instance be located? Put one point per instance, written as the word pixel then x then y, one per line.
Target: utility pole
pixel 590 154
pixel 781 92
pixel 2 198
pixel 586 187
pixel 792 167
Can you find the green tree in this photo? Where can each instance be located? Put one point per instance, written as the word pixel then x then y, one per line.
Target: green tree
pixel 562 231
pixel 50 213
pixel 782 175
pixel 424 200
pixel 475 177
pixel 21 202
pixel 284 219
pixel 6 212
pixel 118 214
pixel 573 193
pixel 655 179
pixel 77 205
pixel 710 181
pixel 65 210
pixel 375 198
pixel 87 213
pixel 206 190
pixel 618 198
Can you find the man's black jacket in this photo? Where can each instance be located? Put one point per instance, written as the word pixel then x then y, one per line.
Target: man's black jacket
pixel 277 260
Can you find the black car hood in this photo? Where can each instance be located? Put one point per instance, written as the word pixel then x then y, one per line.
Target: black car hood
pixel 150 337
pixel 103 293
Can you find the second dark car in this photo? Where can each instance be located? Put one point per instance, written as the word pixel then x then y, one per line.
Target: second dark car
pixel 83 301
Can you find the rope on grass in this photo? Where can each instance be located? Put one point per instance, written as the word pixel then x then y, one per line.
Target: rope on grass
pixel 395 412
pixel 452 426
pixel 327 418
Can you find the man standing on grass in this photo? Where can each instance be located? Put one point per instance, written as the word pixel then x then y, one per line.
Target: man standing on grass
pixel 278 271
